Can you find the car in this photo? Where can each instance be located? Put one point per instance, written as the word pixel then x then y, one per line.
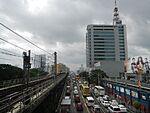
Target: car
pixel 106 97
pixel 80 82
pixel 85 82
pixel 90 101
pixel 77 98
pixel 67 92
pixel 114 109
pixel 79 106
pixel 96 109
pixel 105 103
pixel 75 92
pixel 113 102
pixel 68 87
pixel 123 109
pixel 75 87
pixel 67 97
pixel 100 99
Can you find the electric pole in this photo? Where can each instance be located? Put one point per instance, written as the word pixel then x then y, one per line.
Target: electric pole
pixel 26 67
pixel 55 64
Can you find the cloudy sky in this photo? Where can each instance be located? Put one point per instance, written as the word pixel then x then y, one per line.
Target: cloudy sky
pixel 60 25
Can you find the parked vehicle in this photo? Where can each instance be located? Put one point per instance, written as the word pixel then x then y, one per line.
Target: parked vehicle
pixel 123 109
pixel 114 109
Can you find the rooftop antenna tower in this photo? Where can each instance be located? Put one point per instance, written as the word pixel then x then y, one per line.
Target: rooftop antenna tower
pixel 116 19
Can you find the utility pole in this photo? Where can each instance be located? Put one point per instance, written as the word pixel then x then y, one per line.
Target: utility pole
pixel 26 67
pixel 55 64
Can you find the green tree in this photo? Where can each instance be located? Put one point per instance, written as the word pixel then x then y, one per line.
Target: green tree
pixel 137 105
pixel 97 74
pixel 10 72
pixel 84 75
pixel 37 72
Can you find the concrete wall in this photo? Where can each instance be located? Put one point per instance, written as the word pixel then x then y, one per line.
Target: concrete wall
pixel 111 68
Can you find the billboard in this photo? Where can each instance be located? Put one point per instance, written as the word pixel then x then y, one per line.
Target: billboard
pixel 137 65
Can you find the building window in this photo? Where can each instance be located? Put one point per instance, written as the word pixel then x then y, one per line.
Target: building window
pixel 103 32
pixel 106 38
pixel 104 58
pixel 104 51
pixel 104 45
pixel 103 35
pixel 122 58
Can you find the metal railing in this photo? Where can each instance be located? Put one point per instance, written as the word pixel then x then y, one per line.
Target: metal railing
pixel 6 83
pixel 128 82
pixel 27 98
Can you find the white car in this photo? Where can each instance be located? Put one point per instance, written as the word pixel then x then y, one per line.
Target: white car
pixel 96 109
pixel 114 109
pixel 90 101
pixel 123 109
pixel 75 87
pixel 105 103
pixel 100 99
pixel 106 97
pixel 75 92
pixel 114 103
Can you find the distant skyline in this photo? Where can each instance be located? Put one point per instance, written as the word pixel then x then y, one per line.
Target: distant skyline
pixel 57 25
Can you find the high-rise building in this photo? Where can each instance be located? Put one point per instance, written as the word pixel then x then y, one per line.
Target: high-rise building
pixel 106 42
pixel 40 61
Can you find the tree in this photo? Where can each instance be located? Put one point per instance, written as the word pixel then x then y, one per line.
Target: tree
pixel 37 72
pixel 97 74
pixel 84 75
pixel 8 72
pixel 137 105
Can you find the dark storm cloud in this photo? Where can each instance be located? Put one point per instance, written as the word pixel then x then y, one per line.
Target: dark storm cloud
pixel 65 22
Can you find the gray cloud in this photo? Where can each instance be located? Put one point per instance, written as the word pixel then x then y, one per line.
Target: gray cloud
pixel 65 22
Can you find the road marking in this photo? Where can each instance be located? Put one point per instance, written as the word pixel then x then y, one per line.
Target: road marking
pixel 84 101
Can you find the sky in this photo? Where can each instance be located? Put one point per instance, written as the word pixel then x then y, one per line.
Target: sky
pixel 60 25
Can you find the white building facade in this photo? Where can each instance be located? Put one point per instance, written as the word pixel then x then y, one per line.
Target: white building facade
pixel 107 43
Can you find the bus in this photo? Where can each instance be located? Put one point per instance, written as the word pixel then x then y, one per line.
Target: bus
pixel 99 91
pixel 85 90
pixel 65 105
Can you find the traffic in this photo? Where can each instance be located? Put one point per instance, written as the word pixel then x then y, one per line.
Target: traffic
pixel 80 97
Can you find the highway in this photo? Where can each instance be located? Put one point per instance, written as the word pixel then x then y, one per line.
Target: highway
pixel 82 99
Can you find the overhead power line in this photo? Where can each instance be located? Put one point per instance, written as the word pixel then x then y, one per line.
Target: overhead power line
pixel 24 38
pixel 6 53
pixel 10 51
pixel 19 47
pixel 12 44
pixel 6 59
